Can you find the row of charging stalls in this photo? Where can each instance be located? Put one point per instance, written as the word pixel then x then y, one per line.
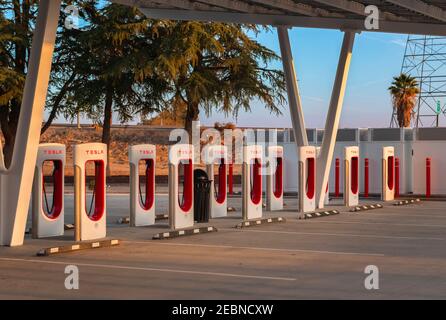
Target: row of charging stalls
pixel 90 161
pixel 370 143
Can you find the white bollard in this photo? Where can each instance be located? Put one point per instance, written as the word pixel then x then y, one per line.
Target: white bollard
pixel 142 208
pixel 388 174
pixel 48 216
pixel 351 176
pixel 252 182
pixel 90 218
pixel 307 179
pixel 218 202
pixel 181 209
pixel 274 180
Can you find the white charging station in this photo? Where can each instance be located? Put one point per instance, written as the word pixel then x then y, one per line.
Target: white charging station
pixel 90 216
pixel 274 179
pixel 351 176
pixel 252 182
pixel 142 198
pixel 218 202
pixel 388 174
pixel 181 205
pixel 307 179
pixel 48 214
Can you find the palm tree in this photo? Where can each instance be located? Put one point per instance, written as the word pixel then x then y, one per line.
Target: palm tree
pixel 404 91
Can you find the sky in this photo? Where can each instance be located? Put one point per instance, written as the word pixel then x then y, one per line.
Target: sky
pixel 377 58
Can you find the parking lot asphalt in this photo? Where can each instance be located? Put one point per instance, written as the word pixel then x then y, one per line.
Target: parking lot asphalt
pixel 322 258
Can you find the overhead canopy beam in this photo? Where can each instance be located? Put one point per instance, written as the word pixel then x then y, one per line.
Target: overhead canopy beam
pixel 291 20
pixel 422 7
pixel 357 8
pixel 299 8
pixel 235 5
pixel 182 4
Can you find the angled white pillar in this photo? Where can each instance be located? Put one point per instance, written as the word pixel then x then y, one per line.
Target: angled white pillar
pixel 16 182
pixel 294 101
pixel 333 117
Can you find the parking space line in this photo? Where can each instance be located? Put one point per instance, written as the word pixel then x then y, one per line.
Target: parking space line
pixel 381 223
pixel 118 267
pixel 440 215
pixel 339 234
pixel 257 248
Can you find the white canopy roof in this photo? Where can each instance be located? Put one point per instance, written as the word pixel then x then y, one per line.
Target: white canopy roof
pixel 397 16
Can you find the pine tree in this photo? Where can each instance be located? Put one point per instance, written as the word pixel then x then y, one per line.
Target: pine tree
pixel 217 66
pixel 112 75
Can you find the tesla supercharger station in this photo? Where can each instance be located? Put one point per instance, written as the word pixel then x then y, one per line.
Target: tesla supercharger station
pixel 48 214
pixel 388 174
pixel 252 182
pixel 218 204
pixel 307 179
pixel 181 206
pixel 142 199
pixel 351 176
pixel 90 217
pixel 274 179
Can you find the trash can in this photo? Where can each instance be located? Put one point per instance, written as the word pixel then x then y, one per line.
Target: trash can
pixel 202 192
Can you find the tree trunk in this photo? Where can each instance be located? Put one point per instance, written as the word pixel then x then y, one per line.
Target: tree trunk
pixel 63 91
pixel 192 114
pixel 106 126
pixel 400 116
pixel 9 118
pixel 407 117
pixel 48 122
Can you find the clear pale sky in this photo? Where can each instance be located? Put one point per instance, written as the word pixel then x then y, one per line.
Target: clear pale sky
pixel 377 57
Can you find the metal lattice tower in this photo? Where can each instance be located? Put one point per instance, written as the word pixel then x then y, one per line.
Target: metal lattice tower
pixel 425 59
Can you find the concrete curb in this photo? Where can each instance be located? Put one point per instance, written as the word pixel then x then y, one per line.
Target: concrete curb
pixel 321 214
pixel 182 233
pixel 78 246
pixel 367 207
pixel 407 202
pixel 251 223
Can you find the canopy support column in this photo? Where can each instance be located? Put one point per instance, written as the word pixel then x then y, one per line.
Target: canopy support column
pixel 333 117
pixel 16 182
pixel 294 101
